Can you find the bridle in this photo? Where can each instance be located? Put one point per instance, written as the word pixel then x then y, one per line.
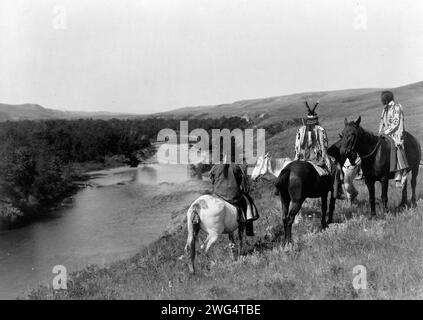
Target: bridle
pixel 369 154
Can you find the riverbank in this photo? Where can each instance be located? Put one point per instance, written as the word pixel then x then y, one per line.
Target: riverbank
pixel 319 266
pixel 79 173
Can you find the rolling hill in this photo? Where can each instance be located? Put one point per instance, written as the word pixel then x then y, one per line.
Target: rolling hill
pixel 334 107
pixel 30 111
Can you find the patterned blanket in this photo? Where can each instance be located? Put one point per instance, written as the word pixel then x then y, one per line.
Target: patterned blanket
pixel 321 171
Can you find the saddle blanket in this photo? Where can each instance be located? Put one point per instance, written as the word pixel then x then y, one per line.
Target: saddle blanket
pixel 393 155
pixel 321 171
pixel 246 208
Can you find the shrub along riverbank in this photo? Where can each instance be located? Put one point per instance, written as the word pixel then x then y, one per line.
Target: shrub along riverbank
pixel 319 265
pixel 40 161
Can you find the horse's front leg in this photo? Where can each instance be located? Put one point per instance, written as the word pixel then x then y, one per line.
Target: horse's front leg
pixel 404 195
pixel 331 208
pixel 324 200
pixel 241 230
pixel 385 185
pixel 232 245
pixel 413 182
pixel 371 187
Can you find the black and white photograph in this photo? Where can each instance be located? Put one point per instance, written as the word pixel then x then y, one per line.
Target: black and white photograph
pixel 211 155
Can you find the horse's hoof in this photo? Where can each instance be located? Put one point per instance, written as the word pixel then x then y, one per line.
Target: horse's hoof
pixel 400 209
pixel 288 247
pixel 403 206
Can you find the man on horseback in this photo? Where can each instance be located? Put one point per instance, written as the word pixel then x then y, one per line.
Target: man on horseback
pixel 392 125
pixel 230 183
pixel 311 144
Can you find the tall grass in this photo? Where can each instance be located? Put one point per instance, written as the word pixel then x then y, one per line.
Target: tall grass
pixel 318 266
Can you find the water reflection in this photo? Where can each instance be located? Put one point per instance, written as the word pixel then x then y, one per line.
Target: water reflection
pixel 122 211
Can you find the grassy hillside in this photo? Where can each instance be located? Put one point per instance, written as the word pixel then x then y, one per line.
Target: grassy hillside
pixel 334 107
pixel 319 266
pixel 30 111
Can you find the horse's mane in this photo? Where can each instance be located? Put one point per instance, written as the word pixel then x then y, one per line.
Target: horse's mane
pixel 367 135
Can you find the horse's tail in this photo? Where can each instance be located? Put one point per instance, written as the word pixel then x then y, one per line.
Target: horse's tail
pixel 282 181
pixel 193 222
pixel 193 226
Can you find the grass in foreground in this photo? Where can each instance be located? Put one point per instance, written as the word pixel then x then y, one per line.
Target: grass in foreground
pixel 319 266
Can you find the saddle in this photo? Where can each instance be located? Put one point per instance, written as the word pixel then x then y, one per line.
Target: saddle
pixel 246 208
pixel 322 171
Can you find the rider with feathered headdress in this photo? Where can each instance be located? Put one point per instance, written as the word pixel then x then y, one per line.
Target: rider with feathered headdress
pixel 311 144
pixel 312 141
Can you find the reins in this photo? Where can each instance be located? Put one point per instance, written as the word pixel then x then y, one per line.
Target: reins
pixel 371 153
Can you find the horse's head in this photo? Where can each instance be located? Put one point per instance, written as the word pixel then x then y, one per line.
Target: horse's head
pixel 261 167
pixel 334 152
pixel 349 138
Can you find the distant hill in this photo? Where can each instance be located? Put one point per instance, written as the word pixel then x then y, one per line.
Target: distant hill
pixel 333 104
pixel 334 107
pixel 36 112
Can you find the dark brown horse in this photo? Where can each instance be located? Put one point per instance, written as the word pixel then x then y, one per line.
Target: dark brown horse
pixel 374 152
pixel 298 181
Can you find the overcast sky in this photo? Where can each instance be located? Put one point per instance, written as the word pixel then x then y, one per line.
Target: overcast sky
pixel 147 56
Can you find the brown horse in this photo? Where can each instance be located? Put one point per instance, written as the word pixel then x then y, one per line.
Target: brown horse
pixel 297 181
pixel 374 152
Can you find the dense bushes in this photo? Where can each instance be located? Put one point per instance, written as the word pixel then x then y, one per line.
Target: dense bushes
pixel 38 158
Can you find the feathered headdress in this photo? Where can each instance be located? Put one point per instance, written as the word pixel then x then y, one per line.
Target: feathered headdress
pixel 312 117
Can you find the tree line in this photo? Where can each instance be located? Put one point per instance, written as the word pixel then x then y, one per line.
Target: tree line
pixel 38 158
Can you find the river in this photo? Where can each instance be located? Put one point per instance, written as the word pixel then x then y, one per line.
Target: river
pixel 122 211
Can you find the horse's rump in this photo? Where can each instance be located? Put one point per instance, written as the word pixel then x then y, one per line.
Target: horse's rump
pixel 412 150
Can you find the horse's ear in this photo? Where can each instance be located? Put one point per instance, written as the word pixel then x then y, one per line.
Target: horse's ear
pixel 345 121
pixel 357 123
